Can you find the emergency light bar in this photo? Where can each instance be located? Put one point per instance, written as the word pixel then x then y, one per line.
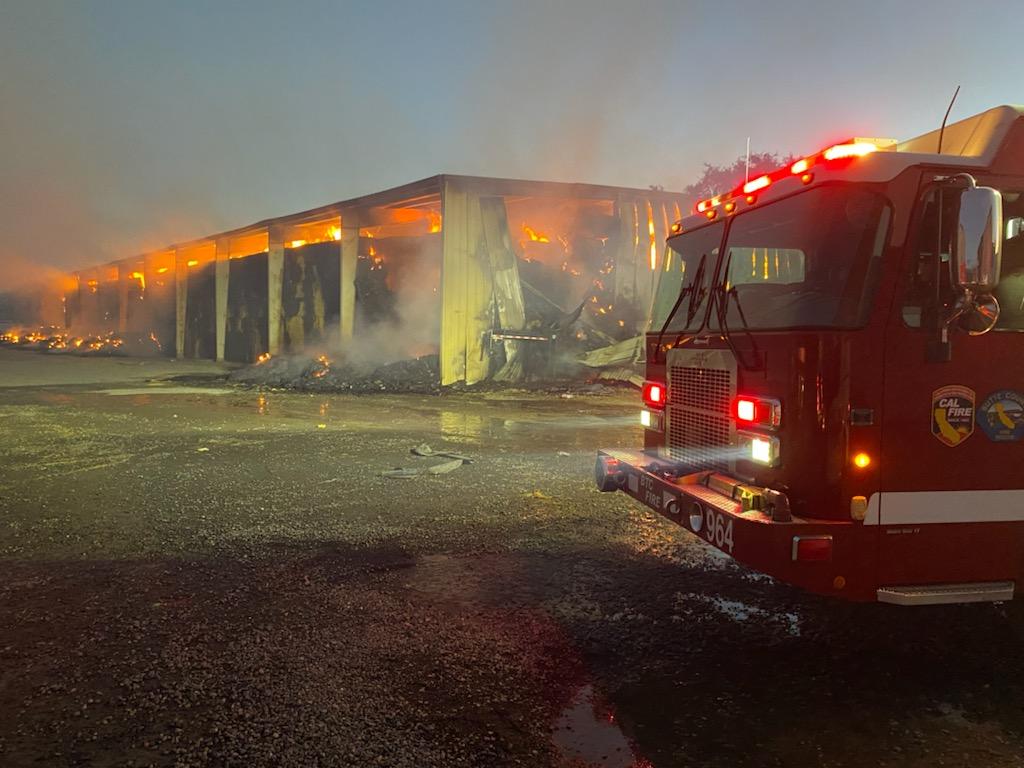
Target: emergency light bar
pixel 846 150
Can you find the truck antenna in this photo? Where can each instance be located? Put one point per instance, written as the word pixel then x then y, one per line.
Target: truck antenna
pixel 942 129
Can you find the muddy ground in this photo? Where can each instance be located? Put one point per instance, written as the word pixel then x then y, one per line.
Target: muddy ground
pixel 195 574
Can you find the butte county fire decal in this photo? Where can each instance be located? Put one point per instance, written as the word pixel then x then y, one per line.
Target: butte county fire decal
pixel 953 414
pixel 1001 416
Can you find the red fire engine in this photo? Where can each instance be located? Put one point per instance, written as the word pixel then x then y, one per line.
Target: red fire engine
pixel 835 370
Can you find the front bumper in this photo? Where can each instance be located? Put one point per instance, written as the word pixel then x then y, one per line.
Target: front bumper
pixel 751 525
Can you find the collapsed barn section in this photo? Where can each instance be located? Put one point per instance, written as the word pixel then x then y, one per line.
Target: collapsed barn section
pixel 499 278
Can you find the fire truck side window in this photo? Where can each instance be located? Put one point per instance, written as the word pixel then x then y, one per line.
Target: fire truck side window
pixel 920 308
pixel 1010 292
pixel 919 305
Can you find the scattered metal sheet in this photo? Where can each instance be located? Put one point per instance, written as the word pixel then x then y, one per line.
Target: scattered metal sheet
pixel 425 450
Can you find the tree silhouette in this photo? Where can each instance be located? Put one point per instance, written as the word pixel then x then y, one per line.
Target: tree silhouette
pixel 718 179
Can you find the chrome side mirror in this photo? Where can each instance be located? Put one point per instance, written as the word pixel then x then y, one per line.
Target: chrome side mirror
pixel 977 249
pixel 980 315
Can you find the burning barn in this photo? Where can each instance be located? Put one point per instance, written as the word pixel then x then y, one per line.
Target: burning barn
pixel 490 275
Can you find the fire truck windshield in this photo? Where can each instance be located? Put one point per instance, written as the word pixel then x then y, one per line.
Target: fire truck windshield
pixel 683 286
pixel 808 261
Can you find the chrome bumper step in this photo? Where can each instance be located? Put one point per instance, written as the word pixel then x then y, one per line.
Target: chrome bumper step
pixel 940 594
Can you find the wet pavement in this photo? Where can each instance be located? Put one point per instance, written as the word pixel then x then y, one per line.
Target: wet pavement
pixel 195 574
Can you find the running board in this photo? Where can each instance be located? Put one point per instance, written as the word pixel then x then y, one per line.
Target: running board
pixel 939 594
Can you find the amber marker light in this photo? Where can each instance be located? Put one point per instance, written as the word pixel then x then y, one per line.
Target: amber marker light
pixel 862 460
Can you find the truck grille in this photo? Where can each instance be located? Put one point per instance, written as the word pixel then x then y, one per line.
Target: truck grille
pixel 701 386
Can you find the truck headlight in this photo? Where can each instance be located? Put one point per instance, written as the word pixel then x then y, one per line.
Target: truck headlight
pixel 653 420
pixel 759 448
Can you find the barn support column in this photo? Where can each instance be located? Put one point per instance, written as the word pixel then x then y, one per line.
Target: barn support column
pixel 503 277
pixel 626 253
pixel 223 271
pixel 349 256
pixel 123 270
pixel 180 303
pixel 149 275
pixel 660 217
pixel 89 291
pixel 466 293
pixel 275 287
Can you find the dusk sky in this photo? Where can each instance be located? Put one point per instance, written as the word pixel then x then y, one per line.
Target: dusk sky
pixel 130 125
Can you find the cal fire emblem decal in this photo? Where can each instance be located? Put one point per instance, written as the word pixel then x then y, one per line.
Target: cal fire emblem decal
pixel 953 414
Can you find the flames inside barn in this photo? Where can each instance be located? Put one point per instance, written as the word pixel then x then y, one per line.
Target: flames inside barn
pixel 495 277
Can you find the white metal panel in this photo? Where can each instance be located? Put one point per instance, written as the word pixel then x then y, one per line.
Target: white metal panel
pixel 925 507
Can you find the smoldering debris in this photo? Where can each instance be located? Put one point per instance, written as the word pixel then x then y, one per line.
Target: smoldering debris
pixel 418 375
pixel 321 374
pixel 59 341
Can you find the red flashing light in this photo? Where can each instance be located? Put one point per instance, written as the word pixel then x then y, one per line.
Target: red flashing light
pixel 756 411
pixel 800 166
pixel 812 549
pixel 755 184
pixel 854 149
pixel 654 394
pixel 746 410
pixel 706 205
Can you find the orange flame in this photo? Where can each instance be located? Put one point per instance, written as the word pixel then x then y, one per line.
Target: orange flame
pixel 534 235
pixel 325 366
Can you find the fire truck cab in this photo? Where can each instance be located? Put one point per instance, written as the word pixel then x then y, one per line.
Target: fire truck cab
pixel 835 370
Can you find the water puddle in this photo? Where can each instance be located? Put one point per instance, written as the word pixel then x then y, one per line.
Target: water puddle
pixel 587 734
pixel 161 390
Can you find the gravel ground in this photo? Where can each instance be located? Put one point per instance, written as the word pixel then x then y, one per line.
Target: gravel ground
pixel 202 575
